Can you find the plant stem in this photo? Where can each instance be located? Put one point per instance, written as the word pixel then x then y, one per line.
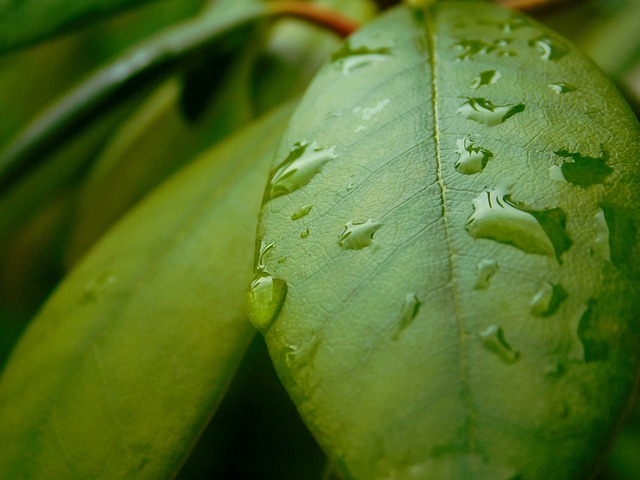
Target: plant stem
pixel 324 17
pixel 530 5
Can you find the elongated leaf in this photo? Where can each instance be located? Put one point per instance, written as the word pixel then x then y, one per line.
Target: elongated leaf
pixel 28 21
pixel 124 365
pixel 132 69
pixel 449 264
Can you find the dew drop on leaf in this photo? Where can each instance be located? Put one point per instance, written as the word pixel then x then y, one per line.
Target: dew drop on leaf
pixel 301 212
pixel 493 339
pixel 367 113
pixel 595 347
pixel 600 245
pixel 562 87
pixel 485 270
pixel 410 309
pixel 547 300
pixel 471 48
pixel 305 233
pixel 305 160
pixel 471 159
pixel 261 252
pixel 97 287
pixel 350 58
pixel 266 297
pixel 547 48
pixel 358 235
pixel 499 218
pixel 488 77
pixel 487 113
pixel 584 171
pixel 555 173
pixel 299 356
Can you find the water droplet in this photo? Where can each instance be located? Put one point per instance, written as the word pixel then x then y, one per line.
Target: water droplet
pixel 350 58
pixel 301 212
pixel 486 269
pixel 499 218
pixel 624 238
pixel 472 48
pixel 410 310
pixel 305 233
pixel 493 340
pixel 488 77
pixel 548 49
pixel 368 113
pixel 487 113
pixel 562 88
pixel 584 171
pixel 554 369
pixel 98 286
pixel 591 335
pixel 555 173
pixel 261 253
pixel 448 462
pixel 266 297
pixel 601 241
pixel 514 24
pixel 305 160
pixel 302 356
pixel 507 26
pixel 471 159
pixel 547 300
pixel 358 235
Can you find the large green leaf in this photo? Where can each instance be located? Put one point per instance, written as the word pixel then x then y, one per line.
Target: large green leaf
pixel 122 368
pixel 449 251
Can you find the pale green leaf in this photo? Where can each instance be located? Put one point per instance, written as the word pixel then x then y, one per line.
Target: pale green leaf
pixel 449 251
pixel 122 368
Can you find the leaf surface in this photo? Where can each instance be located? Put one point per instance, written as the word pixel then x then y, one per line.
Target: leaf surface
pixel 449 255
pixel 122 368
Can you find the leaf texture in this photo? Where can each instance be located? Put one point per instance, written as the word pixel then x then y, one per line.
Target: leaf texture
pixel 121 370
pixel 448 268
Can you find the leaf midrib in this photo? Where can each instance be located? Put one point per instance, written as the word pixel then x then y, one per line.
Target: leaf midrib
pixel 462 335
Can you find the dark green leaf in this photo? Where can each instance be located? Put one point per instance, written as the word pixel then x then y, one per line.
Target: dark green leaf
pixel 26 21
pixel 122 368
pixel 439 322
pixel 133 69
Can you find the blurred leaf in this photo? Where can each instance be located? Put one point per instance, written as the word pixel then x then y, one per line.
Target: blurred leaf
pixel 134 68
pixel 124 365
pixel 60 172
pixel 27 21
pixel 150 145
pixel 61 62
pixel 449 265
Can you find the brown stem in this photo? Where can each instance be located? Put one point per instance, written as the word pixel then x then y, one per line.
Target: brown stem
pixel 324 17
pixel 530 5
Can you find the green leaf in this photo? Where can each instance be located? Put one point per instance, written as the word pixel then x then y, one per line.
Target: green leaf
pixel 28 21
pixel 448 279
pixel 124 365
